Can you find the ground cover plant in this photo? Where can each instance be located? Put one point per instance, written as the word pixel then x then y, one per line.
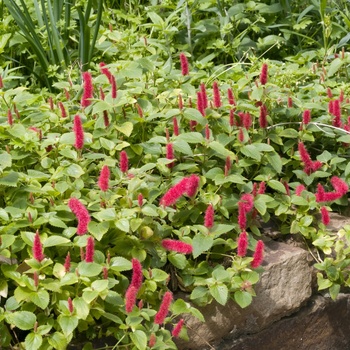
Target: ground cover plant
pixel 142 177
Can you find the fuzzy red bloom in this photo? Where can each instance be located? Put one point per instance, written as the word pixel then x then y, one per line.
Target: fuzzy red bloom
pixel 9 117
pixel 140 199
pixel 306 117
pixel 139 110
pixel 339 186
pixel 105 272
pixel 164 308
pixel 231 98
pixel 137 277
pixel 170 154
pixel 181 105
pixel 337 114
pixel 290 102
pixel 177 329
pixel 262 187
pixel 105 71
pixel 1 82
pixel 263 74
pixel 66 92
pixel 232 117
pixel 216 95
pixel 245 205
pixel 240 135
pixel 184 64
pixel 331 107
pixel 174 193
pixel 90 250
pixel 286 186
pixel 242 244
pixel 79 133
pixel 114 87
pixel 325 216
pixel 309 165
pixel 207 132
pixel 37 248
pixel 88 90
pixel 329 92
pixel 67 263
pixel 258 255
pixel 228 164
pixel 175 127
pixel 51 103
pixel 105 119
pixel 246 120
pixel 123 162
pixel 102 94
pixel 200 103
pixel 263 117
pixel 81 213
pixel 63 110
pixel 203 91
pixel 177 246
pixel 299 189
pixel 103 181
pixel 209 217
pixel 152 340
pixel 341 96
pixel 193 125
pixel 36 279
pixel 130 298
pixel 192 185
pixel 248 200
pixel 254 190
pixel 70 305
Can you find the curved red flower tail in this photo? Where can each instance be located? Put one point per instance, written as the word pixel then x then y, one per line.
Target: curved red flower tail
pixel 209 217
pixel 137 277
pixel 67 263
pixel 123 162
pixel 79 133
pixel 306 117
pixel 103 181
pixel 130 298
pixel 177 329
pixel 81 214
pixel 184 64
pixel 263 74
pixel 299 189
pixel 325 216
pixel 170 154
pixel 192 185
pixel 216 95
pixel 258 255
pixel 174 193
pixel 90 250
pixel 37 248
pixel 204 95
pixel 242 244
pixel 177 246
pixel 164 308
pixel 88 90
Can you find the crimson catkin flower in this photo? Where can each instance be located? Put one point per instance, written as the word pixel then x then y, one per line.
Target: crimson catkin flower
pixel 9 117
pixel 231 98
pixel 152 340
pixel 81 213
pixel 140 199
pixel 200 103
pixel 193 125
pixel 51 103
pixel 299 189
pixel 309 165
pixel 258 255
pixel 246 120
pixel 130 298
pixel 177 329
pixel 306 116
pixel 203 91
pixel 137 277
pixel 110 77
pixel 70 305
pixel 339 186
pixel 90 250
pixel 262 187
pixel 207 132
pixel 242 244
pixel 245 205
pixel 325 216
pixel 209 217
pixel 105 272
pixel 37 248
pixel 66 92
pixel 240 135
pixel 175 127
pixel 337 114
pixel 88 90
pixel 177 246
pixel 263 74
pixel 329 92
pixel 181 105
pixel 174 193
pixel 263 117
pixel 67 263
pixel 123 162
pixel 232 117
pixel 79 133
pixel 290 102
pixel 184 64
pixel 192 185
pixel 63 110
pixel 103 181
pixel 170 154
pixel 105 119
pixel 164 308
pixel 216 95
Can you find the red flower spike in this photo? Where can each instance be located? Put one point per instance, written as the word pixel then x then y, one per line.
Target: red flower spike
pixel 258 255
pixel 66 92
pixel 137 277
pixel 63 110
pixel 309 165
pixel 139 110
pixel 331 107
pixel 177 329
pixel 216 95
pixel 325 216
pixel 192 183
pixel 339 185
pixel 263 74
pixel 184 64
pixel 175 127
pixel 193 125
pixel 102 94
pixel 36 279
pixel 164 308
pixel 290 102
pixel 262 187
pixel 170 154
pixel 242 216
pixel 232 117
pixel 203 91
pixel 90 250
pixel 228 163
pixel 341 96
pixel 240 135
pixel 140 199
pixel 9 117
pixel 103 181
pixel 79 133
pixel 105 119
pixel 231 98
pixel 255 189
pixel 114 87
pixel 286 186
pixel 329 92
pixel 1 82
pixel 181 105
pixel 67 263
pixel 299 189
pixel 81 213
pixel 242 244
pixel 246 120
pixel 263 117
pixel 177 246
pixel 51 103
pixel 337 114
pixel 209 217
pixel 37 248
pixel 200 103
pixel 70 305
pixel 174 193
pixel 123 162
pixel 152 340
pixel 130 298
pixel 207 132
pixel 306 117
pixel 88 90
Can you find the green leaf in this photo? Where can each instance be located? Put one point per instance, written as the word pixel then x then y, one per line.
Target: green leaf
pixel 33 341
pixel 199 292
pixel 10 180
pixel 75 170
pixel 112 317
pixel 139 339
pixel 182 147
pixel 81 307
pixel 126 128
pixel 23 320
pixel 5 161
pixel 67 324
pixel 334 66
pixel 106 214
pixel 149 210
pixel 41 298
pixel 57 222
pixel 159 275
pixel 58 341
pixel 120 264
pixel 201 243
pixel 7 240
pixel 219 292
pixel 251 152
pixel 220 149
pixel 54 241
pixel 123 225
pixel 98 230
pixel 334 290
pixel 178 260
pixel 276 162
pixel 242 298
pixel 191 137
pixel 89 269
pixel 323 283
pixel 220 229
pixel 276 185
